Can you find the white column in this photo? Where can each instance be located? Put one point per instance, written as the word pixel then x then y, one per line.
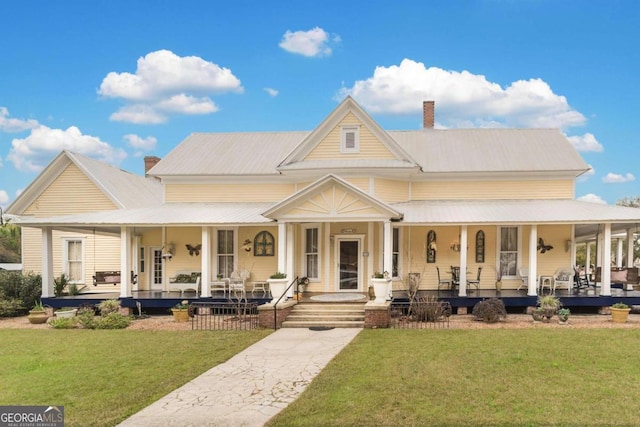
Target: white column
pixel 462 291
pixel 289 263
pixel 47 262
pixel 605 290
pixel 282 247
pixel 388 255
pixel 135 260
pixel 532 291
pixel 630 240
pixel 573 246
pixel 619 252
pixel 205 263
pixel 370 234
pixel 587 261
pixel 125 262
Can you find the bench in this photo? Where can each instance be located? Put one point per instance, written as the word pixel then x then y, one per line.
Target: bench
pixel 185 281
pixel 111 277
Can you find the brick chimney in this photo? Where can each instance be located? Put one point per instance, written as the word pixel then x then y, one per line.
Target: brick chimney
pixel 428 114
pixel 149 162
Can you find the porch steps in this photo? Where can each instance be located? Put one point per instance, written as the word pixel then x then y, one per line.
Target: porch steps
pixel 334 315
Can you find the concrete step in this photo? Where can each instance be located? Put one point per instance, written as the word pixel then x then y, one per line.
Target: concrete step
pixel 333 318
pixel 335 315
pixel 322 324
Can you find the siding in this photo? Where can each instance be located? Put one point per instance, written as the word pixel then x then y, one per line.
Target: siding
pixel 539 189
pixel 361 183
pixel 370 146
pixel 227 192
pixel 391 191
pixel 71 192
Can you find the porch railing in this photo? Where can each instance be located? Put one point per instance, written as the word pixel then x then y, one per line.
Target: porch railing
pixel 296 282
pixel 241 315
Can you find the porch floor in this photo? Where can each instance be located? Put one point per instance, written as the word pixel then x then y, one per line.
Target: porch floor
pixel 573 298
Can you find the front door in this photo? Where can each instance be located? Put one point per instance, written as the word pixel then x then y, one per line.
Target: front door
pixel 349 264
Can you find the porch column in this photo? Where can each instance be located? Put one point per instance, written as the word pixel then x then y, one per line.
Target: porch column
pixel 587 261
pixel 205 263
pixel 462 289
pixel 619 252
pixel 135 260
pixel 388 254
pixel 532 290
pixel 125 262
pixel 289 258
pixel 630 240
pixel 282 247
pixel 47 262
pixel 605 289
pixel 572 247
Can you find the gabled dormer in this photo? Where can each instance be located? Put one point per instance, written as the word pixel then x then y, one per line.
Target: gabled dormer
pixel 347 138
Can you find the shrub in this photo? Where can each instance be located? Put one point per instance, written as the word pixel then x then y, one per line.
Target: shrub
pixel 109 306
pixel 113 320
pixel 429 309
pixel 59 285
pixel 64 322
pixel 491 310
pixel 10 307
pixel 87 317
pixel 26 288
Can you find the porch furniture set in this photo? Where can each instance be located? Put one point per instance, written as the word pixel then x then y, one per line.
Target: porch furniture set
pixel 191 280
pixel 450 284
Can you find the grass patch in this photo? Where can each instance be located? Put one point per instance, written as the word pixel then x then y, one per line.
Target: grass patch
pixel 102 377
pixel 552 377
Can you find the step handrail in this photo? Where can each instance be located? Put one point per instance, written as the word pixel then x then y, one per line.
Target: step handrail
pixel 275 312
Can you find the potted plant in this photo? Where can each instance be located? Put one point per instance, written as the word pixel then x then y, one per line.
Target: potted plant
pixel 38 314
pixel 563 315
pixel 498 279
pixel 180 311
pixel 277 285
pixel 66 312
pixel 538 314
pixel 620 312
pixel 550 304
pixel 380 282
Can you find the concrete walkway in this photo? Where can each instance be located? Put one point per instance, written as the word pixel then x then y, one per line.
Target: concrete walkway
pixel 252 386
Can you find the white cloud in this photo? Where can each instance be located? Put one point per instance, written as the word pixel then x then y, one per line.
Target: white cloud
pixel 462 98
pixel 592 198
pixel 4 197
pixel 272 92
pixel 167 83
pixel 140 144
pixel 586 142
pixel 614 178
pixel 33 153
pixel 15 125
pixel 310 43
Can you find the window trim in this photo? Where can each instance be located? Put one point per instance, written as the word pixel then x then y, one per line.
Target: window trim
pixel 65 258
pixel 346 129
pixel 234 252
pixel 518 249
pixel 306 227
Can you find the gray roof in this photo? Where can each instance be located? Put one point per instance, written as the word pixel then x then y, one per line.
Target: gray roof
pixel 244 153
pixel 436 151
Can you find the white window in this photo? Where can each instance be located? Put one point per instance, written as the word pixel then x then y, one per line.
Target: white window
pixel 395 253
pixel 225 252
pixel 73 265
pixel 350 139
pixel 509 248
pixel 311 253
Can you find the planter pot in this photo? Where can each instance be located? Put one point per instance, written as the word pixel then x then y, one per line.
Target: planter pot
pixel 37 317
pixel 498 285
pixel 380 289
pixel 66 313
pixel 563 319
pixel 538 316
pixel 619 315
pixel 277 288
pixel 180 314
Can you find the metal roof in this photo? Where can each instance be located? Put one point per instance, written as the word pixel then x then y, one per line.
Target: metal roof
pixel 243 153
pixel 490 150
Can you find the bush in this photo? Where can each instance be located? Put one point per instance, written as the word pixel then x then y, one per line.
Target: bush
pixel 64 322
pixel 491 310
pixel 59 285
pixel 109 306
pixel 25 288
pixel 113 321
pixel 87 317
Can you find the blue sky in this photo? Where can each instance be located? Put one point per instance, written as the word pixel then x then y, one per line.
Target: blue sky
pixel 118 80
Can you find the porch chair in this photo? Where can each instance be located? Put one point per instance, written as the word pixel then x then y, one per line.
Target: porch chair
pixel 580 279
pixel 236 282
pixel 524 278
pixel 475 282
pixel 563 277
pixel 455 277
pixel 442 282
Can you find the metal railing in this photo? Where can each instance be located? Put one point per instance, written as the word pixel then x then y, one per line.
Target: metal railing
pixel 296 282
pixel 420 314
pixel 221 316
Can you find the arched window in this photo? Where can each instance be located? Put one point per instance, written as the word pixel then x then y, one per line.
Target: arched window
pixel 263 244
pixel 431 246
pixel 480 246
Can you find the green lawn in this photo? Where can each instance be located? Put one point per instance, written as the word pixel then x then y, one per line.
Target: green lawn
pixel 102 377
pixel 552 377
